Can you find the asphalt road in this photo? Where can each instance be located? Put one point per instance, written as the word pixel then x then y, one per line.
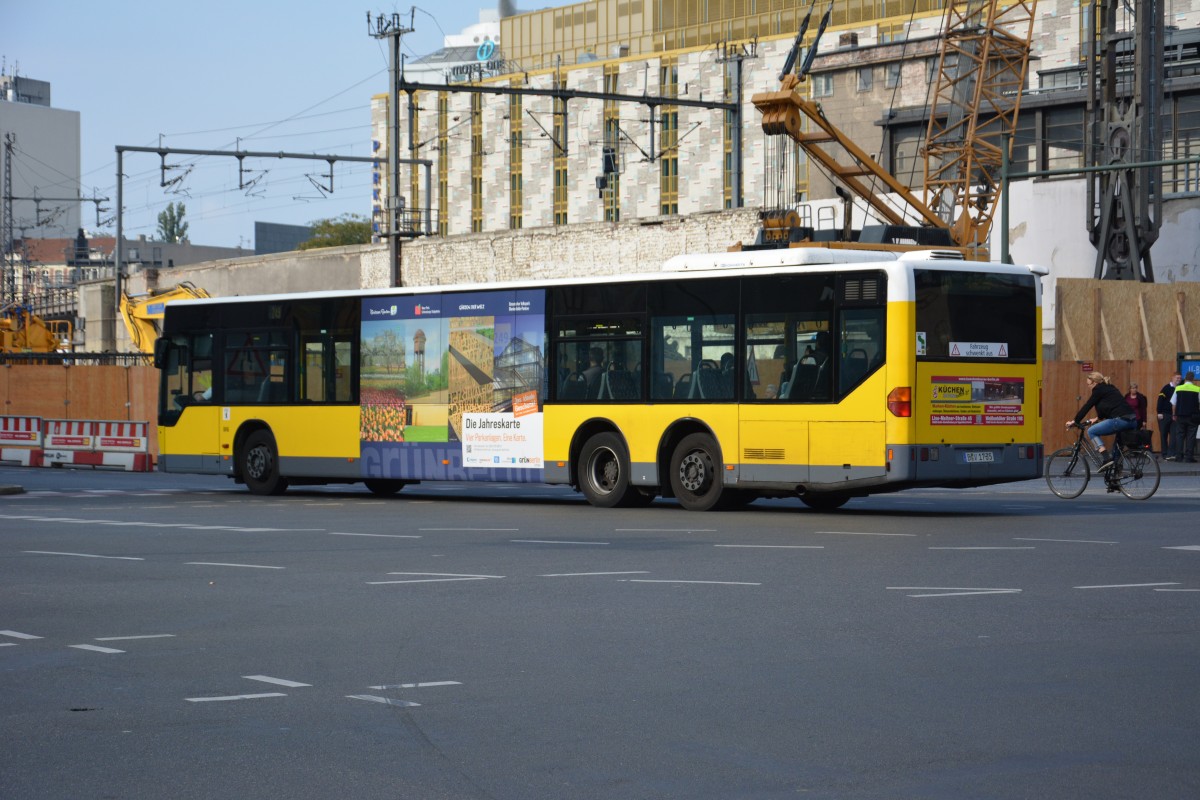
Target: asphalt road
pixel 175 636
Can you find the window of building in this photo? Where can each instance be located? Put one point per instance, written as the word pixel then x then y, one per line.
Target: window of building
pixel 476 163
pixel 668 174
pixel 560 165
pixel 892 75
pixel 822 85
pixel 443 151
pixel 865 77
pixel 516 162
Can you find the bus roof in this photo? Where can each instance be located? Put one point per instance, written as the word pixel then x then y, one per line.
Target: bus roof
pixel 783 260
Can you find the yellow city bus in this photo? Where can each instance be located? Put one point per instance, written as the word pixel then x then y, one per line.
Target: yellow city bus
pixel 813 373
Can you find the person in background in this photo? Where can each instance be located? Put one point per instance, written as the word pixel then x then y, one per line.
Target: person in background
pixel 1186 402
pixel 1165 412
pixel 1113 414
pixel 1137 401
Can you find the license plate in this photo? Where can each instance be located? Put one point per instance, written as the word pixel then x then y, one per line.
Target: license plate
pixel 979 457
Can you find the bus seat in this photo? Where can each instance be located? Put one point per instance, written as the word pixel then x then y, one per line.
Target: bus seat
pixel 573 388
pixel 856 367
pixel 711 385
pixel 620 385
pixel 664 386
pixel 683 387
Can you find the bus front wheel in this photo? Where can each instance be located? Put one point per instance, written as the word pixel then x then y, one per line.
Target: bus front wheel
pixel 604 472
pixel 696 478
pixel 260 464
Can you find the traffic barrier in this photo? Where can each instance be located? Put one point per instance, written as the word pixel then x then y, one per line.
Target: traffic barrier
pixel 21 440
pixel 97 443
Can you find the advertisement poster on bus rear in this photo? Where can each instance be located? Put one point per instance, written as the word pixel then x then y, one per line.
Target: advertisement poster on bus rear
pixel 977 400
pixel 451 386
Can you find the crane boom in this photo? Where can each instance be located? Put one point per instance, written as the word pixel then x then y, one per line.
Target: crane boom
pixel 141 314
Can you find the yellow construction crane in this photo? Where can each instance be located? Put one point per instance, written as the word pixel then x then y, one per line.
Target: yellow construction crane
pixel 142 313
pixel 981 71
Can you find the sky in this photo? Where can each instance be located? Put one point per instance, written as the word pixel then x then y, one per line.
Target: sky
pixel 265 75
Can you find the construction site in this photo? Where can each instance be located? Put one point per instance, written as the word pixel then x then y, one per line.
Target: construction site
pixel 842 125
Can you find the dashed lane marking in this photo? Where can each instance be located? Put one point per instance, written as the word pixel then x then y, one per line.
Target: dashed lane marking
pixel 95 648
pixel 19 635
pixel 234 697
pixel 127 638
pixel 552 541
pixel 434 577
pixel 220 564
pixel 861 533
pixel 1071 541
pixel 583 574
pixel 1016 547
pixel 426 685
pixel 1128 585
pixel 378 535
pixel 387 701
pixel 776 546
pixel 277 681
pixel 81 555
pixel 716 583
pixel 949 591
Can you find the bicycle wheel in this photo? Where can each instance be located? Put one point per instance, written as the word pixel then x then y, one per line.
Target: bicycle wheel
pixel 1067 473
pixel 1139 475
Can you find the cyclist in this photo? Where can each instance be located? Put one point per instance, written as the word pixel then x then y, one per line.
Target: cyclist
pixel 1111 408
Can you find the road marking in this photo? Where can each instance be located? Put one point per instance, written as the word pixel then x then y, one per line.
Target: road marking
pixel 860 533
pixel 777 546
pixel 949 591
pixel 8 644
pixel 427 685
pixel 233 697
pixel 82 555
pixel 385 700
pixel 485 530
pixel 552 541
pixel 718 583
pixel 582 574
pixel 1074 541
pixel 1128 585
pixel 1177 590
pixel 19 635
pixel 279 681
pixel 378 535
pixel 220 564
pixel 1184 547
pixel 665 530
pixel 95 648
pixel 434 577
pixel 126 638
pixel 1017 547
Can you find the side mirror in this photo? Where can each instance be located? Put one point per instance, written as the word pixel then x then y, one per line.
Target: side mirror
pixel 161 347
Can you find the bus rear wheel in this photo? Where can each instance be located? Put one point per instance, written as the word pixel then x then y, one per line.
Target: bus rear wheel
pixel 259 464
pixel 383 487
pixel 696 477
pixel 604 473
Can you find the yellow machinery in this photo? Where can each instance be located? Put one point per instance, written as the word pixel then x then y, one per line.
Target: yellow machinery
pixel 142 313
pixel 22 331
pixel 981 71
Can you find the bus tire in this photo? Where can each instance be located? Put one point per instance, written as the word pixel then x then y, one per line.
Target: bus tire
pixel 824 501
pixel 696 478
pixel 259 464
pixel 604 472
pixel 383 487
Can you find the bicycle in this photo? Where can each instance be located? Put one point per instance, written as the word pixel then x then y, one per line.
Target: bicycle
pixel 1134 473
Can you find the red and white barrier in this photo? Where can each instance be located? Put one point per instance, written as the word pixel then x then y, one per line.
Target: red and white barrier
pixel 97 443
pixel 21 440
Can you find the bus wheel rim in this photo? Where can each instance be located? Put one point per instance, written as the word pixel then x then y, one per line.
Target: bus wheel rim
pixel 605 470
pixel 695 472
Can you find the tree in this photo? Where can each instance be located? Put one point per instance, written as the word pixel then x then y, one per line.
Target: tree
pixel 171 227
pixel 346 229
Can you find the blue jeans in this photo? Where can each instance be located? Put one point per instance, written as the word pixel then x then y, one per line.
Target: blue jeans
pixel 1108 427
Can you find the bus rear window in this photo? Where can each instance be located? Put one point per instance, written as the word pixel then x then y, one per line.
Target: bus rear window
pixel 975 316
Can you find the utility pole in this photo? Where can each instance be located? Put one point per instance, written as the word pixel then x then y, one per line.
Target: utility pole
pixel 9 287
pixel 393 30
